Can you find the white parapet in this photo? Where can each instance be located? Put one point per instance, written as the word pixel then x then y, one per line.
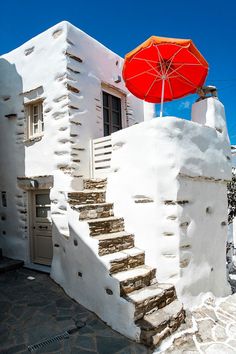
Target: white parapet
pixel 210 112
pixel 169 181
pixel 149 110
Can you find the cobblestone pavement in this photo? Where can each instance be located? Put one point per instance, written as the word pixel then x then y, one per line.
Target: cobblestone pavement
pixel 32 310
pixel 214 329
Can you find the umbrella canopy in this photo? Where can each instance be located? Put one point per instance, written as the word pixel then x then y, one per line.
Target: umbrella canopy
pixel 162 69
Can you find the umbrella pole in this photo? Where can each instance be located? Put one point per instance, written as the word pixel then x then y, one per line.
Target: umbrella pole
pixel 162 97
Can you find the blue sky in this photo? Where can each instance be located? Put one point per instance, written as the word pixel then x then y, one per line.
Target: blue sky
pixel 122 25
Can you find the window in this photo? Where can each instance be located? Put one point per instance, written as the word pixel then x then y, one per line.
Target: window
pixel 112 120
pixel 42 205
pixel 35 119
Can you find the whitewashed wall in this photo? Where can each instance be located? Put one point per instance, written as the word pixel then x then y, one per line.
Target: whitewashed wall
pixel 168 181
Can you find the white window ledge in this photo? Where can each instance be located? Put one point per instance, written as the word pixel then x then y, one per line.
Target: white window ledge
pixel 34 138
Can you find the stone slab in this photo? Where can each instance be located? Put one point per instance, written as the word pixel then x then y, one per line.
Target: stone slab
pixel 7 264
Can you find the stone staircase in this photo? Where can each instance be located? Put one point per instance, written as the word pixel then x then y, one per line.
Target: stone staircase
pixel 158 312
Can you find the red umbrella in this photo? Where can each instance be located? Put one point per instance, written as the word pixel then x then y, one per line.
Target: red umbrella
pixel 162 69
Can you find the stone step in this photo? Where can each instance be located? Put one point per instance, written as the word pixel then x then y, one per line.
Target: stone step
pixel 87 197
pixel 94 211
pixel 151 298
pixel 124 260
pixel 98 183
pixel 115 242
pixel 134 279
pixel 160 324
pixel 7 264
pixel 105 225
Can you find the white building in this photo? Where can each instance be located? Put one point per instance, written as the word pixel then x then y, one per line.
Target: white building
pixel 52 89
pixel 62 96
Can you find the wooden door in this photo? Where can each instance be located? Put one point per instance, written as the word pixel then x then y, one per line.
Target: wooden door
pixel 41 227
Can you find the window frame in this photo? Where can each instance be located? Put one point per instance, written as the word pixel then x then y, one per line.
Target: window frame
pixel 121 96
pixel 31 123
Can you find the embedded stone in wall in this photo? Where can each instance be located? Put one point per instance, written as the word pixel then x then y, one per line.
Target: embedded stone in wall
pixel 184 263
pixel 70 42
pixel 75 57
pixel 73 107
pixel 11 115
pixel 28 51
pixel 176 202
pixel 142 199
pixel 72 88
pixel 66 169
pixel 167 233
pixel 60 98
pixel 61 76
pixel 57 33
pixel 73 70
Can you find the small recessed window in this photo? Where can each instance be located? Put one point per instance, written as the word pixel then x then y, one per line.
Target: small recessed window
pixel 35 120
pixel 112 120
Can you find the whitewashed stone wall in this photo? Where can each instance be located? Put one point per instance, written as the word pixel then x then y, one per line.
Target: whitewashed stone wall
pixel 66 69
pixel 169 181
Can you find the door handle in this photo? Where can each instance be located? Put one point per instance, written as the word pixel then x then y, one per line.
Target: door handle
pixel 43 227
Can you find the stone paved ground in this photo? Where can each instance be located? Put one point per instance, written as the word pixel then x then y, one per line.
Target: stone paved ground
pixel 32 310
pixel 214 326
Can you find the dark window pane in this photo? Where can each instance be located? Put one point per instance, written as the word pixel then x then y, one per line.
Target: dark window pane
pixel 115 118
pixel 105 99
pixel 42 212
pixel 116 103
pixel 111 113
pixel 106 115
pixel 35 128
pixel 35 119
pixel 35 109
pixel 115 129
pixel 42 199
pixel 106 130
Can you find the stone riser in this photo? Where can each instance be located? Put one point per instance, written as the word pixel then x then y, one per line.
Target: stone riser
pixel 153 304
pixel 77 198
pixel 106 227
pixel 153 338
pixel 130 262
pixel 115 245
pixel 129 285
pixel 95 211
pixel 95 184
